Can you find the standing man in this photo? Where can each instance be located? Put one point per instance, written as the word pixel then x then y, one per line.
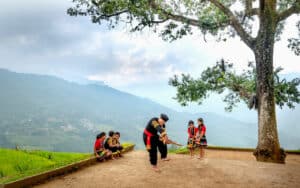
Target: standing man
pixel 155 130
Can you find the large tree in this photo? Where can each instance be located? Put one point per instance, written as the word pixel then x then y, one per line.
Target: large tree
pixel 220 18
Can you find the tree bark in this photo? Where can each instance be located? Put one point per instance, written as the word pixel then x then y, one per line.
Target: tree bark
pixel 268 147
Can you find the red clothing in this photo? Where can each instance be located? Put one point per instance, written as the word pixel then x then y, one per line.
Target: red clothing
pixel 203 130
pixel 98 144
pixel 148 142
pixel 191 133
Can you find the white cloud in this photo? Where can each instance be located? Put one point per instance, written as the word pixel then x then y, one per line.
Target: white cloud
pixel 42 38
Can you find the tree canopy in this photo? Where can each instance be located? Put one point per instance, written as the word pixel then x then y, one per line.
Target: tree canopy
pixel 219 18
pixel 221 78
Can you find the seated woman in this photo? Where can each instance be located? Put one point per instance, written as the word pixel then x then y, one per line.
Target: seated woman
pixel 110 143
pixel 100 152
pixel 116 139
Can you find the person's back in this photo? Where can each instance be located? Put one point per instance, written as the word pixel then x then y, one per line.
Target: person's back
pixel 106 145
pixel 99 150
pixel 151 126
pixel 98 144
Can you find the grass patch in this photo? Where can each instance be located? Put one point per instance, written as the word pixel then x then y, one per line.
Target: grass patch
pixel 17 164
pixel 185 150
pixel 127 144
pixel 182 150
pixel 294 151
pixel 230 148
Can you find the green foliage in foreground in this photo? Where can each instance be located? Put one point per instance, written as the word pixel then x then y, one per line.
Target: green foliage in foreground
pixel 127 144
pixel 17 164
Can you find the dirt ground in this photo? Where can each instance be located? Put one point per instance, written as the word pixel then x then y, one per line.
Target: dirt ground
pixel 220 169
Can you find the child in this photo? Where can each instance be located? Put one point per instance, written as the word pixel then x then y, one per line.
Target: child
pixel 100 152
pixel 192 130
pixel 110 143
pixel 119 146
pixel 201 138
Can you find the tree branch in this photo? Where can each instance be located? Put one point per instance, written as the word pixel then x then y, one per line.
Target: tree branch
pixel 182 19
pixel 174 17
pixel 234 23
pixel 294 9
pixel 141 26
pixel 114 14
pixel 248 5
pixel 249 10
pixel 252 12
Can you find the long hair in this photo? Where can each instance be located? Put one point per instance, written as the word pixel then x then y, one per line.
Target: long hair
pixel 100 135
pixel 202 122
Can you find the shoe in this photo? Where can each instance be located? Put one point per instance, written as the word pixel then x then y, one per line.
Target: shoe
pixel 166 159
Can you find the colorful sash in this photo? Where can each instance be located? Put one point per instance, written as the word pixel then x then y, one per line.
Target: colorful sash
pixel 148 142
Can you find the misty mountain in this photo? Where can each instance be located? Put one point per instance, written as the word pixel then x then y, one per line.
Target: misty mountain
pixel 44 112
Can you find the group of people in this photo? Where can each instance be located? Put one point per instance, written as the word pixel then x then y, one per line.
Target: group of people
pixel 197 137
pixel 105 147
pixel 155 137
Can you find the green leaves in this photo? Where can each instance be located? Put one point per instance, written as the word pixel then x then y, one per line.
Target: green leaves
pixel 188 89
pixel 286 92
pixel 294 43
pixel 172 31
pixel 113 11
pixel 238 87
pixel 177 17
pixel 284 4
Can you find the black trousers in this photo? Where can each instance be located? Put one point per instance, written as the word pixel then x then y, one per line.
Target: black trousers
pixel 156 143
pixel 115 149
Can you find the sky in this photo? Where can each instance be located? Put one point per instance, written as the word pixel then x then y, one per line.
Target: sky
pixel 39 37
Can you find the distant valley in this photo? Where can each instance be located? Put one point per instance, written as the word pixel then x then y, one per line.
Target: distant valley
pixel 44 112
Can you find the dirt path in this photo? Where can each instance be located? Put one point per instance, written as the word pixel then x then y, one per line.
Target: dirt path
pixel 220 169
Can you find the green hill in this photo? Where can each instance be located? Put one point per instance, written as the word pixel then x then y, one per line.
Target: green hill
pixel 44 112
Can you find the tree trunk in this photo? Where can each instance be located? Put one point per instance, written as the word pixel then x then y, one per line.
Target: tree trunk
pixel 268 147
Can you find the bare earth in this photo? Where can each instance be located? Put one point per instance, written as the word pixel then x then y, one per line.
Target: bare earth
pixel 220 169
